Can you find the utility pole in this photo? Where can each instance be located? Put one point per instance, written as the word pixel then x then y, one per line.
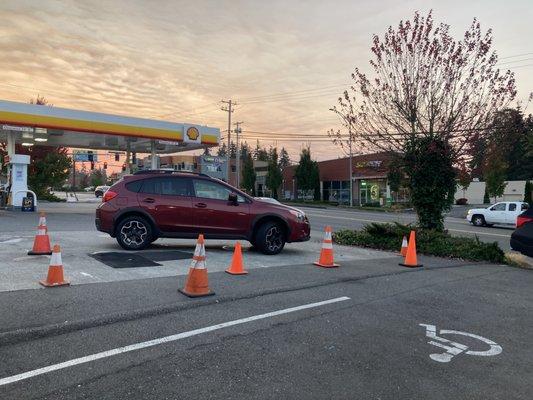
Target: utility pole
pixel 229 110
pixel 351 168
pixel 237 156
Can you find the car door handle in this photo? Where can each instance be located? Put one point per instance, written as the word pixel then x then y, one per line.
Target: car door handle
pixel 148 200
pixel 200 205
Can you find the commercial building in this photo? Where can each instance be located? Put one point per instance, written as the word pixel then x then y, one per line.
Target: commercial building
pixel 369 173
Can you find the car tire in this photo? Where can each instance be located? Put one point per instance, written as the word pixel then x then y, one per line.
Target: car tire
pixel 270 238
pixel 134 233
pixel 478 220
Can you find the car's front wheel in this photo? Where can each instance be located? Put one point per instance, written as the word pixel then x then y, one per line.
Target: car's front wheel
pixel 478 220
pixel 134 233
pixel 270 238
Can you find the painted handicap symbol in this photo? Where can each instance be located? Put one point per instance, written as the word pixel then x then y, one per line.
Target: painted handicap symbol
pixel 454 348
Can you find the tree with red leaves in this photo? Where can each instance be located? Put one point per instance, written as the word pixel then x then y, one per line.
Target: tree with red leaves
pixel 429 92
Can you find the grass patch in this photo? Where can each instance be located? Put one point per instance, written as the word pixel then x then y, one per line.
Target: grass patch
pixel 440 244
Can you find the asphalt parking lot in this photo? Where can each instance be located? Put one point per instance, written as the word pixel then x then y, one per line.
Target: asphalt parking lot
pixel 288 329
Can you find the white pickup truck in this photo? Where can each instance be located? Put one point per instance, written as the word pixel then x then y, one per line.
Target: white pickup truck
pixel 503 213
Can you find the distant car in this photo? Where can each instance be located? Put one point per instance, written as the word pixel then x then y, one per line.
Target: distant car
pixel 522 237
pixel 100 190
pixel 503 213
pixel 267 199
pixel 89 189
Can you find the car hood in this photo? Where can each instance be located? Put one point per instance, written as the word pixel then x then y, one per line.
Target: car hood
pixel 279 206
pixel 476 210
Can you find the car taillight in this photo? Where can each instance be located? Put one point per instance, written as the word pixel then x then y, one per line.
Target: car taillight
pixel 108 196
pixel 523 219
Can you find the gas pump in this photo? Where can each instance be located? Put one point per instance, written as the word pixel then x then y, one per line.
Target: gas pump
pixel 18 178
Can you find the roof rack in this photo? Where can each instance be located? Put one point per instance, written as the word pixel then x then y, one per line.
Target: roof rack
pixel 166 171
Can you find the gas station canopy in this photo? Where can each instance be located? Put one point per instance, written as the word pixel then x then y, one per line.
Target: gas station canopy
pixel 31 124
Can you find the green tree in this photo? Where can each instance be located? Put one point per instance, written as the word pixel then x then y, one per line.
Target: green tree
pixel 284 159
pixel 528 198
pixel 425 84
pixel 486 199
pixel 260 154
pixel 307 174
pixel 463 178
pixel 494 172
pixel 248 175
pixel 274 176
pixel 395 176
pixel 48 172
pixel 98 177
pixel 222 150
pixel 232 150
pixel 432 180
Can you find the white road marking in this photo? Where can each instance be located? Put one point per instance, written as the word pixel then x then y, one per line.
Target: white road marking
pixel 86 274
pixel 166 339
pixel 479 233
pixel 398 220
pixel 454 348
pixel 14 240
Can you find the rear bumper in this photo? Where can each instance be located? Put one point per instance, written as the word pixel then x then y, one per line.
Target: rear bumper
pixel 104 221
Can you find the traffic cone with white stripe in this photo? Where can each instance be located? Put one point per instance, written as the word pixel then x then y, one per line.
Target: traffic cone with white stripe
pixel 42 220
pixel 326 254
pixel 197 284
pixel 403 251
pixel 41 243
pixel 55 270
pixel 410 258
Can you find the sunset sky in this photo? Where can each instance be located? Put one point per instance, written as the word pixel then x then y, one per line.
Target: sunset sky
pixel 284 62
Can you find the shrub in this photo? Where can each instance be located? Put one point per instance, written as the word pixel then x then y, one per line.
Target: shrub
pixel 461 202
pixel 50 197
pixel 430 242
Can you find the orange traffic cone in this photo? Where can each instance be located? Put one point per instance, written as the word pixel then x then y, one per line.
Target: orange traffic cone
pixel 55 270
pixel 326 254
pixel 237 267
pixel 197 284
pixel 410 257
pixel 41 244
pixel 403 251
pixel 42 220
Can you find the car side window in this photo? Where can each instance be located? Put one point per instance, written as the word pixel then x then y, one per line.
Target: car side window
pixel 512 207
pixel 525 206
pixel 166 186
pixel 212 190
pixel 498 207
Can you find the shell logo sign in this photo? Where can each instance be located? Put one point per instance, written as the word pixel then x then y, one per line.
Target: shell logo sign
pixel 192 134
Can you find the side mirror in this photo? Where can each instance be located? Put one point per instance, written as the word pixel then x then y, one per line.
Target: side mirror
pixel 233 199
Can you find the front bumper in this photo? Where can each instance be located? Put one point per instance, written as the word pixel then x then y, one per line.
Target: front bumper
pixel 469 217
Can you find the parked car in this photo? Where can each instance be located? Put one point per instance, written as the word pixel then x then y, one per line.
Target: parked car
pixel 503 213
pixel 151 204
pixel 89 189
pixel 100 190
pixel 522 237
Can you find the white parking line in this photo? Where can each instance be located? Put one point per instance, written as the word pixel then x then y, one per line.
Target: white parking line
pixel 392 220
pixel 166 339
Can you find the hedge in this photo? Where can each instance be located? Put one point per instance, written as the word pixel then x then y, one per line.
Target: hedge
pixel 385 236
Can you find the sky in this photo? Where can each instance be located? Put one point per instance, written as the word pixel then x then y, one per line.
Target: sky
pixel 284 62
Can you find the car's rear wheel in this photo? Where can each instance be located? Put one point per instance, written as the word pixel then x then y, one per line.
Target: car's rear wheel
pixel 478 220
pixel 270 238
pixel 134 233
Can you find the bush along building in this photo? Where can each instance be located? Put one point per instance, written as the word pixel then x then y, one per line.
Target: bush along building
pixel 369 174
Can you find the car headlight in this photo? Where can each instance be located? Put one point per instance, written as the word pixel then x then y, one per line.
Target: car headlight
pixel 300 216
pixel 469 212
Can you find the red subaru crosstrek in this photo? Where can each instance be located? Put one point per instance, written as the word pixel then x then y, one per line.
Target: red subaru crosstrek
pixel 151 204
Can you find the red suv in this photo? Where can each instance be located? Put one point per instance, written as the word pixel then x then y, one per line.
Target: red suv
pixel 148 205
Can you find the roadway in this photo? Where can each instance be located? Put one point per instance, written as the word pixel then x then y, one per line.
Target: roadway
pixel 368 330
pixel 339 218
